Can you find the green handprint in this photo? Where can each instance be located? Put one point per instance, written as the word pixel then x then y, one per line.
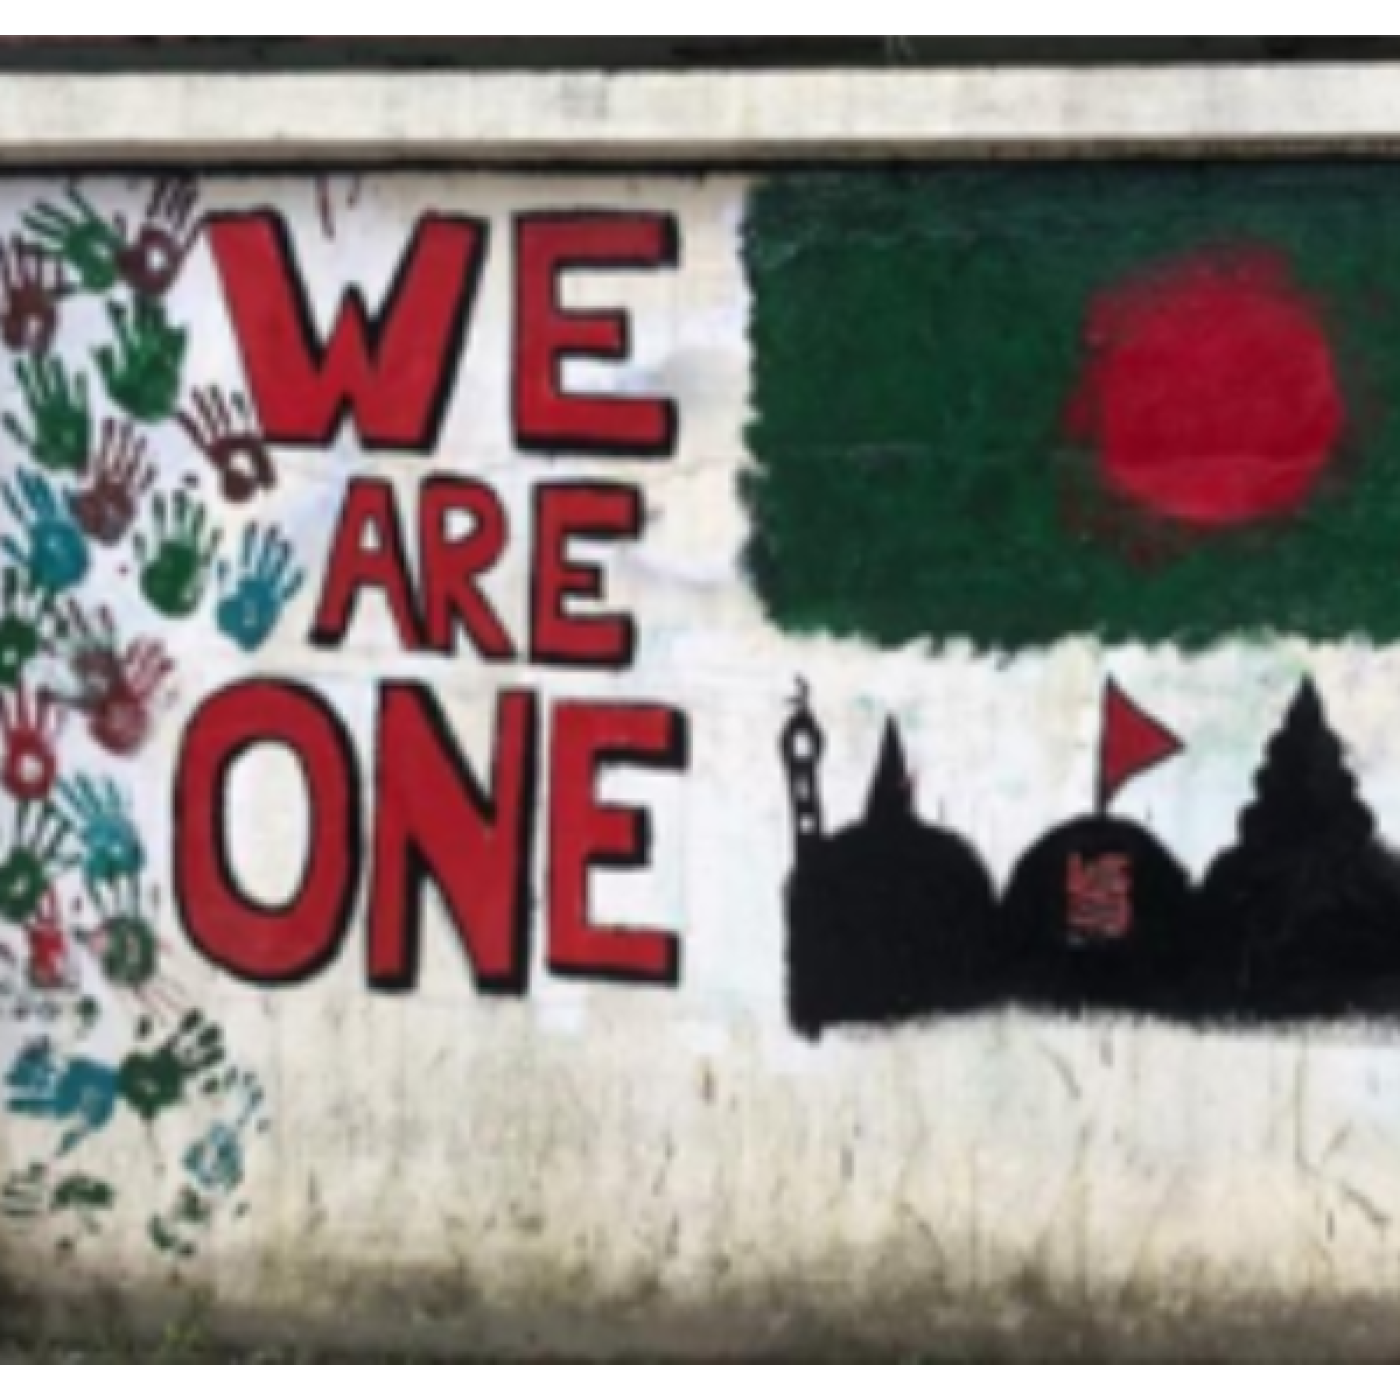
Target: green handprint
pixel 152 1084
pixel 61 440
pixel 37 857
pixel 30 621
pixel 89 244
pixel 181 1231
pixel 81 1205
pixel 176 566
pixel 143 370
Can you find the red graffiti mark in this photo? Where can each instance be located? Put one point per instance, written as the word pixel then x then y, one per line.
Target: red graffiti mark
pixel 1213 396
pixel 1101 898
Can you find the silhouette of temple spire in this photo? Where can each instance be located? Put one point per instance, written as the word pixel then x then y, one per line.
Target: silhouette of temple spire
pixel 1302 919
pixel 1306 791
pixel 892 796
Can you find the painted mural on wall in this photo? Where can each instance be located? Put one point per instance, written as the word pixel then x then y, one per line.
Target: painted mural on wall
pixel 862 601
pixel 1163 419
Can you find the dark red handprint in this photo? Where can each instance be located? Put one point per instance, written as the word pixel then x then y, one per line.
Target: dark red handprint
pixel 224 430
pixel 32 285
pixel 31 728
pixel 122 477
pixel 50 955
pixel 152 262
pixel 119 691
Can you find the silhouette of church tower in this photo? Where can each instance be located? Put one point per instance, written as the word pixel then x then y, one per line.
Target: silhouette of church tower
pixel 1302 919
pixel 890 922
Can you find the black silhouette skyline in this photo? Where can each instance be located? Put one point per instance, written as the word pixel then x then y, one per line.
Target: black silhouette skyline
pixel 893 922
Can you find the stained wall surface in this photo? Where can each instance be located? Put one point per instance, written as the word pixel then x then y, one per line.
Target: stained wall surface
pixel 635 765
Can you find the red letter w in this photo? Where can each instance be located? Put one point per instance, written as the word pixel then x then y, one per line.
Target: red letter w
pixel 393 374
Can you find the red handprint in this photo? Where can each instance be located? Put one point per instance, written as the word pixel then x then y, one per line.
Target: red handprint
pixel 32 285
pixel 119 691
pixel 31 732
pixel 227 434
pixel 152 262
pixel 108 508
pixel 50 958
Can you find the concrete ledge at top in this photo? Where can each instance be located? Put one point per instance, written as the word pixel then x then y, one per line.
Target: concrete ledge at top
pixel 635 118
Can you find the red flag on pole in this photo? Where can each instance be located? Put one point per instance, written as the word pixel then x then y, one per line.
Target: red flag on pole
pixel 1133 744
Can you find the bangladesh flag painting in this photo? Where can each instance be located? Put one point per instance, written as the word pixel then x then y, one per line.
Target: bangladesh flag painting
pixel 1156 409
pixel 1014 406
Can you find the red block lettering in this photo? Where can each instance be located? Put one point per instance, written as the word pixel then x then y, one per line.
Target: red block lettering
pixel 256 944
pixel 548 420
pixel 392 374
pixel 369 556
pixel 586 835
pixel 435 823
pixel 565 515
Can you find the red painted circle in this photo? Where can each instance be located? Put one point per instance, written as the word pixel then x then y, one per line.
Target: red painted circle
pixel 1213 396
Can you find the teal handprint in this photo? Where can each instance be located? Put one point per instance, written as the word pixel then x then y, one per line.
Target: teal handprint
pixel 45 1085
pixel 177 564
pixel 55 553
pixel 30 622
pixel 218 1163
pixel 79 236
pixel 57 402
pixel 106 830
pixel 268 580
pixel 143 370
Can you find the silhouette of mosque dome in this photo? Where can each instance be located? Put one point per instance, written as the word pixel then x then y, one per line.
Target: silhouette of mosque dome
pixel 891 921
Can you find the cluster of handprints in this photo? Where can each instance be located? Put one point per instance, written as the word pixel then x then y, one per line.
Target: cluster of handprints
pixel 78 481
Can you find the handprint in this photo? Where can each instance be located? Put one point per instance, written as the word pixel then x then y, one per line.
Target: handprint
pixel 36 859
pixel 154 1084
pixel 21 1002
pixel 55 555
pixel 177 565
pixel 152 264
pixel 44 1085
pixel 142 371
pixel 29 621
pixel 118 691
pixel 51 967
pixel 227 435
pixel 268 580
pixel 218 1164
pixel 25 1198
pixel 79 236
pixel 85 1203
pixel 107 508
pixel 180 1232
pixel 61 438
pixel 31 287
pixel 29 729
pixel 105 828
pixel 130 953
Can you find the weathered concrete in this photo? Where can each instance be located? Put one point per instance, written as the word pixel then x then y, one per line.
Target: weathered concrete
pixel 667 1170
pixel 592 118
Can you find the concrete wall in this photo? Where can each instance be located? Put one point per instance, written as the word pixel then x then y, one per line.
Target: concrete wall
pixel 507 851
